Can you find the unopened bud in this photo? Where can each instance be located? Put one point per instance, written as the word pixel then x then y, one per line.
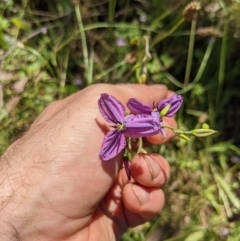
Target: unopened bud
pixel 184 137
pixel 165 110
pixel 202 132
pixel 205 126
pixel 169 107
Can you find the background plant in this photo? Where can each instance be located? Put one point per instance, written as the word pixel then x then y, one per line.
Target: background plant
pixel 49 50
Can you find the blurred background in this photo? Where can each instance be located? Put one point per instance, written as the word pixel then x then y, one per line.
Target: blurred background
pixel 51 49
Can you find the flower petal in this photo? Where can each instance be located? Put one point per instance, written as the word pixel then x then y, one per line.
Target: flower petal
pixel 155 114
pixel 162 130
pixel 162 103
pixel 136 107
pixel 113 143
pixel 175 101
pixel 111 109
pixel 141 126
pixel 171 105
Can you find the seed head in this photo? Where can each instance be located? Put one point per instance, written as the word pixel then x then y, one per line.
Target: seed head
pixel 209 31
pixel 190 10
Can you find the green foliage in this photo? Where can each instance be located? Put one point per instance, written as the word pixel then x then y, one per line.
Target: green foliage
pixel 50 49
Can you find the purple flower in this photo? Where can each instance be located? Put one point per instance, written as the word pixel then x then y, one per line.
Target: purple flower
pixel 135 126
pixel 165 107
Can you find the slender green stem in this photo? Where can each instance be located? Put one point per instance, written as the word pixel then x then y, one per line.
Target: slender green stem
pixel 65 66
pixel 128 150
pixel 164 35
pixel 169 127
pixel 221 74
pixel 140 146
pixel 177 131
pixel 170 77
pixel 164 15
pixel 190 51
pixel 90 69
pixel 115 66
pixel 126 6
pixel 111 11
pixel 201 68
pixel 41 57
pixel 83 38
pixel 25 2
pixel 147 55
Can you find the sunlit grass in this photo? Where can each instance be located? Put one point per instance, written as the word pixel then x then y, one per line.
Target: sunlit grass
pixel 48 51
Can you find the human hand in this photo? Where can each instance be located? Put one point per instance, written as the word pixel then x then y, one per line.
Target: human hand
pixel 54 186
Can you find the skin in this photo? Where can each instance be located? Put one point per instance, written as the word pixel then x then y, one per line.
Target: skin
pixel 53 185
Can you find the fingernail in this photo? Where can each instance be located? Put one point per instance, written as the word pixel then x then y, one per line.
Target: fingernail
pixel 153 166
pixel 142 195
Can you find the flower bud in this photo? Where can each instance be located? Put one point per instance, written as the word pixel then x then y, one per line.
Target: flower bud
pixel 202 132
pixel 169 107
pixel 165 110
pixel 184 137
pixel 205 126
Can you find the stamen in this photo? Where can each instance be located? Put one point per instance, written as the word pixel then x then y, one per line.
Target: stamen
pixel 121 126
pixel 154 107
pixel 113 126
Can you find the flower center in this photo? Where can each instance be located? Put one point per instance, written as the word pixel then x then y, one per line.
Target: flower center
pixel 121 126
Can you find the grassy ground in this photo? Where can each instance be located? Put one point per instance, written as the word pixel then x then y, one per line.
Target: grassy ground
pixel 50 49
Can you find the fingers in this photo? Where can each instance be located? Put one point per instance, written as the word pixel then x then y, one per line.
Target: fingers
pixel 150 170
pixel 142 203
pixel 146 93
pixel 142 197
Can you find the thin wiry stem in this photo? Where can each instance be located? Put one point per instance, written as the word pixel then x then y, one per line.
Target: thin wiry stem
pixel 83 38
pixel 201 68
pixel 164 35
pixel 90 67
pixel 113 67
pixel 111 11
pixel 190 51
pixel 221 74
pixel 22 13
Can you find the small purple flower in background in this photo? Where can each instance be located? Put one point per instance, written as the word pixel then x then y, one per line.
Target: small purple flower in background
pixel 165 107
pixel 130 126
pixel 44 30
pixel 224 232
pixel 77 80
pixel 120 42
pixel 143 18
